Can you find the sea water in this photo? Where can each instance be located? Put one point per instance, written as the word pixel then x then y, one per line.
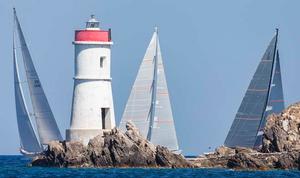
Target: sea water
pixel 17 166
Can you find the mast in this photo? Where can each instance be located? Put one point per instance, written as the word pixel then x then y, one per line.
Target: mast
pixel 154 89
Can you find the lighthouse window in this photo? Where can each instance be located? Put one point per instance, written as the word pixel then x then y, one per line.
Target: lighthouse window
pixel 101 61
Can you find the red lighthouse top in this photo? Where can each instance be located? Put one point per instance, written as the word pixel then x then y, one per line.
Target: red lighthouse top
pixel 92 32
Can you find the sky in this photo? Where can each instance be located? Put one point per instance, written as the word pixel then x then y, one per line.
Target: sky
pixel 210 48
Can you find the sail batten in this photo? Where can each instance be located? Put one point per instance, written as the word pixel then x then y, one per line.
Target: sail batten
pixel 45 122
pixel 243 131
pixel 148 106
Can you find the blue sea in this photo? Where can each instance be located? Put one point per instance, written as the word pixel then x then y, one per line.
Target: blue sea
pixel 17 166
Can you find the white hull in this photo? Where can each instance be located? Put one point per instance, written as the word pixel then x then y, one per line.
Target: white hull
pixel 29 154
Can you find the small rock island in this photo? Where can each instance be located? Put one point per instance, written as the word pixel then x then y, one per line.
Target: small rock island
pixel 113 149
pixel 280 150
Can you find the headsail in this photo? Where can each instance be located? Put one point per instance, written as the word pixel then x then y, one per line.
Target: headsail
pixel 244 128
pixel 46 125
pixel 149 105
pixel 28 139
pixel 138 106
pixel 163 128
pixel 275 101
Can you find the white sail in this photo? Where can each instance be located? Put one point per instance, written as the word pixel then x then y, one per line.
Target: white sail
pixel 138 106
pixel 163 128
pixel 28 139
pixel 46 125
pixel 149 105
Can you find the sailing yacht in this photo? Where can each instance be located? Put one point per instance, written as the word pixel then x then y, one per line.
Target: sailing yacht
pixel 47 130
pixel 148 106
pixel 263 97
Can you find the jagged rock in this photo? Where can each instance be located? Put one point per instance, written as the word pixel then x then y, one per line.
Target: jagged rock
pixel 99 155
pixel 165 158
pixel 224 151
pixel 244 150
pixel 125 152
pixel 75 154
pixel 63 154
pixel 245 158
pixel 281 132
pixel 245 161
pixel 113 149
pixel 288 160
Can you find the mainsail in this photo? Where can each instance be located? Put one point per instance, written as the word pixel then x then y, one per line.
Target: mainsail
pixel 46 125
pixel 243 131
pixel 149 105
pixel 28 139
pixel 275 101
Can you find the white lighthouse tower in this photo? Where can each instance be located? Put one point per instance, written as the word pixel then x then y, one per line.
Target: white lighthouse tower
pixel 92 107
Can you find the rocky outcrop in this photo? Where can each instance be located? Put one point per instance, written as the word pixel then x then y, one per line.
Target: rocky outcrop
pixel 282 131
pixel 249 159
pixel 165 158
pixel 113 149
pixel 224 151
pixel 245 161
pixel 280 149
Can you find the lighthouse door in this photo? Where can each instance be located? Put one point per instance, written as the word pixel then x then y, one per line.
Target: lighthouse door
pixel 105 117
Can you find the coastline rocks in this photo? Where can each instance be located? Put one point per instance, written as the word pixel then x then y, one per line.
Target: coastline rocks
pixel 281 133
pixel 248 159
pixel 224 151
pixel 245 161
pixel 165 158
pixel 280 148
pixel 113 149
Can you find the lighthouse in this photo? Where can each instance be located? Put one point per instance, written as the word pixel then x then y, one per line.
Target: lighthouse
pixel 92 107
